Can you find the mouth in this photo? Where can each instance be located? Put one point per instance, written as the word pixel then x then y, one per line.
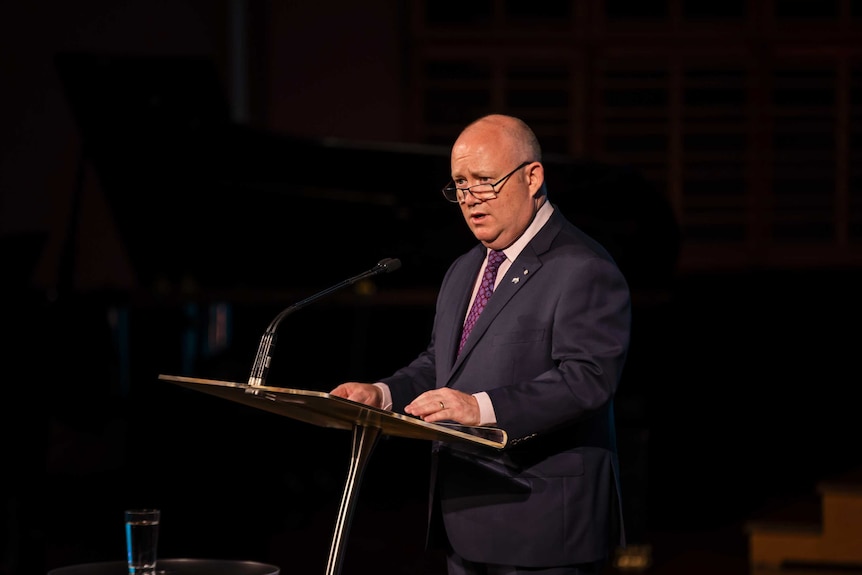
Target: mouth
pixel 477 217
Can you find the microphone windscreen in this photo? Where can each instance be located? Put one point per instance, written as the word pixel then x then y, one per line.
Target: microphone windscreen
pixel 390 264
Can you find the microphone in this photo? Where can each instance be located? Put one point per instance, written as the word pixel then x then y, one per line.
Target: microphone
pixel 264 351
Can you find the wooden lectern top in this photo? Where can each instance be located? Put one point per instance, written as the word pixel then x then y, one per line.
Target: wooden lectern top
pixel 326 410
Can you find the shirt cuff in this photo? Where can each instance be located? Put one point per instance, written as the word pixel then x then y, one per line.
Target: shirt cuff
pixel 386 401
pixel 486 409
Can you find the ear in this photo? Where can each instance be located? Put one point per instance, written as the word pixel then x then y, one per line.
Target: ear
pixel 536 178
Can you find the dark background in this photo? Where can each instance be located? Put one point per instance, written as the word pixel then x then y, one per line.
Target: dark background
pixel 174 174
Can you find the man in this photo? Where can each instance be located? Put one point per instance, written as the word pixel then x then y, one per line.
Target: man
pixel 542 361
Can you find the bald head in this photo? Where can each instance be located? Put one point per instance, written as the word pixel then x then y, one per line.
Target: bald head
pixel 514 133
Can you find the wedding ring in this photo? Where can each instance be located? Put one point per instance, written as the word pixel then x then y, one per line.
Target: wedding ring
pixel 442 406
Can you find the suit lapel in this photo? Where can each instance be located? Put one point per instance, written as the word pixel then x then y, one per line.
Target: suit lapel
pixel 519 273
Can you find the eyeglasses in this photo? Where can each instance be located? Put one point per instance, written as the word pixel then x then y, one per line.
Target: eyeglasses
pixel 481 192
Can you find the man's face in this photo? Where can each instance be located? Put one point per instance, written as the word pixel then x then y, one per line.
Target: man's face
pixel 484 154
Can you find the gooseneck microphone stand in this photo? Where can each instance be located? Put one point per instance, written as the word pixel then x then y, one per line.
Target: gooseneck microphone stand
pixel 264 351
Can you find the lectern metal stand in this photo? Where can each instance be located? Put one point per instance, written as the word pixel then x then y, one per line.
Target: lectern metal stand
pixel 366 423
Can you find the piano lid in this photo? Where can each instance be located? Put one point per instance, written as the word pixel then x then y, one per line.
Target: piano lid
pixel 200 200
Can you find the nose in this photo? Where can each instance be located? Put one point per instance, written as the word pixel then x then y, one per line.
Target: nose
pixel 470 199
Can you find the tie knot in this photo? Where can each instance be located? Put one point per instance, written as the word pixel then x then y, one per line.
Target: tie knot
pixel 495 258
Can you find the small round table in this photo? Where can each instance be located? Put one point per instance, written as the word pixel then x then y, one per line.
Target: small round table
pixel 173 567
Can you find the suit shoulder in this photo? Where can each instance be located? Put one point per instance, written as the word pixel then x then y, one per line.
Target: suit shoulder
pixel 580 242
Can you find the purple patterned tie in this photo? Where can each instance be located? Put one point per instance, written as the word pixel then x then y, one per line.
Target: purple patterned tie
pixel 495 258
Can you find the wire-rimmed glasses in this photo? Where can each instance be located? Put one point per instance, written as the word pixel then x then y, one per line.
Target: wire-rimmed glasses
pixel 481 192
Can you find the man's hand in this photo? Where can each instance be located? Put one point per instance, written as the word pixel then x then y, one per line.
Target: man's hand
pixel 366 393
pixel 445 404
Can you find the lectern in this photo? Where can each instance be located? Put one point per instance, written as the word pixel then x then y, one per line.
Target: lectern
pixel 366 423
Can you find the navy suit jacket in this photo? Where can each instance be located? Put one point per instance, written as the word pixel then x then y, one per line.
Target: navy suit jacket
pixel 549 350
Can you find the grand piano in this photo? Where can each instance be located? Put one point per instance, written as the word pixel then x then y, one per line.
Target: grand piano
pixel 201 200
